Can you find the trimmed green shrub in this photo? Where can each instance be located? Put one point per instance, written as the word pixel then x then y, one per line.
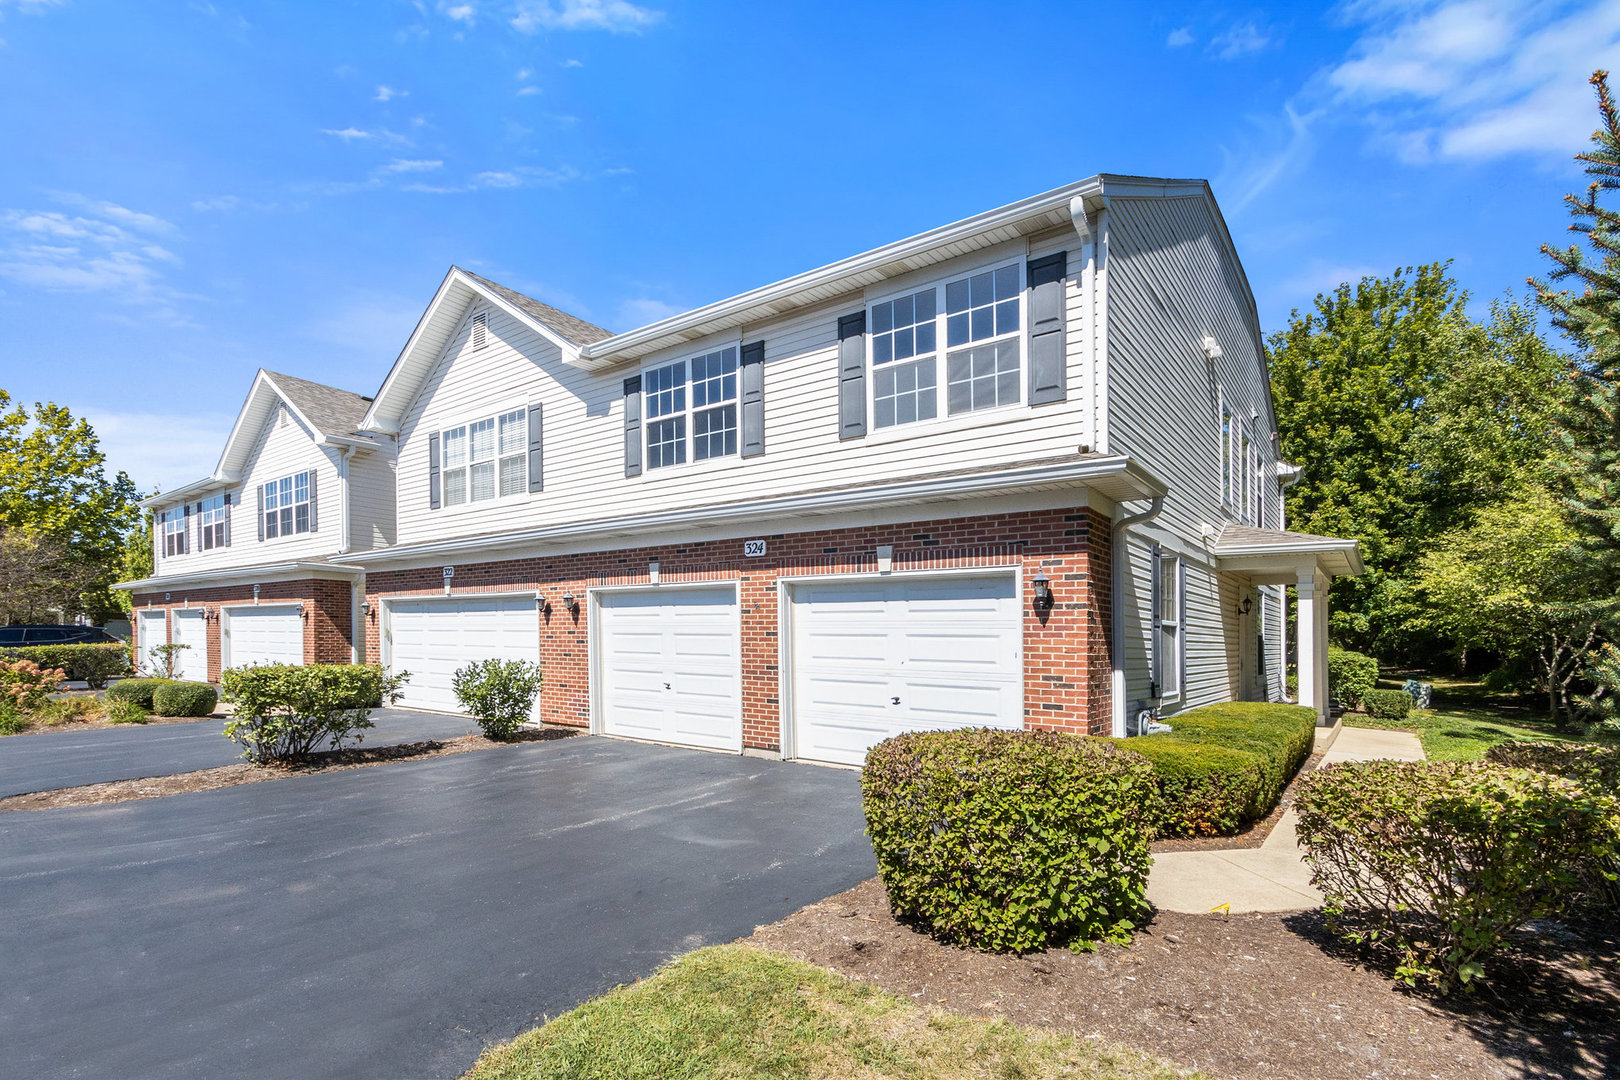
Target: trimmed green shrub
pixel 95 664
pixel 1441 861
pixel 285 712
pixel 1597 769
pixel 1388 704
pixel 1350 676
pixel 499 693
pixel 1203 789
pixel 137 690
pixel 184 699
pixel 1279 736
pixel 12 720
pixel 124 711
pixel 1010 840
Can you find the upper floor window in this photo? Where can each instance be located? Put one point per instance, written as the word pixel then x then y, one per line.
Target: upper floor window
pixel 487 458
pixel 1168 652
pixel 983 348
pixel 1226 455
pixel 174 532
pixel 211 523
pixel 692 409
pixel 287 505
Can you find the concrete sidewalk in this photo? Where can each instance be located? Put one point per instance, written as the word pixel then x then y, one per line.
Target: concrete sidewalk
pixel 1272 877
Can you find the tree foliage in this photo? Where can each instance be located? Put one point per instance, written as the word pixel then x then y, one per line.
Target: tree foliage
pixel 59 513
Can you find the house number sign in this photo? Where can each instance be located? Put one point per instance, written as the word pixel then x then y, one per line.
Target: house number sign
pixel 753 548
pixel 449 572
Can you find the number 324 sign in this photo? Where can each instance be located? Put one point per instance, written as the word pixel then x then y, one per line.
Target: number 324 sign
pixel 753 549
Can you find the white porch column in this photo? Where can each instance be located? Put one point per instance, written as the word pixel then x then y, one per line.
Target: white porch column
pixel 1311 622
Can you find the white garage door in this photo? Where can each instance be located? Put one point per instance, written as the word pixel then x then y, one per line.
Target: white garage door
pixel 152 630
pixel 432 638
pixel 669 666
pixel 262 635
pixel 872 659
pixel 191 629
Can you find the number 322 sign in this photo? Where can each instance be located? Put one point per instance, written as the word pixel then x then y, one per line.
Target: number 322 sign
pixel 753 549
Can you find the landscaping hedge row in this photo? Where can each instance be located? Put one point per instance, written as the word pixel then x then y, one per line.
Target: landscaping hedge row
pixel 1010 840
pixel 95 664
pixel 1351 676
pixel 1221 767
pixel 139 691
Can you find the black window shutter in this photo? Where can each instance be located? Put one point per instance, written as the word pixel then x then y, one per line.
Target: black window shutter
pixel 753 399
pixel 1048 357
pixel 632 426
pixel 312 500
pixel 852 375
pixel 433 471
pixel 159 520
pixel 258 490
pixel 227 519
pixel 536 458
pixel 185 536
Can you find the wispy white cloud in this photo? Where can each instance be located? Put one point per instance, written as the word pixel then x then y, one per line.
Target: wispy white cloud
pixel 1239 39
pixel 388 93
pixel 573 63
pixel 1178 38
pixel 1321 276
pixel 1477 79
pixel 106 248
pixel 188 449
pixel 1271 149
pixel 226 203
pixel 30 6
pixel 522 176
pixel 371 324
pixel 401 165
pixel 462 12
pixel 643 311
pixel 354 134
pixel 614 16
pixel 527 91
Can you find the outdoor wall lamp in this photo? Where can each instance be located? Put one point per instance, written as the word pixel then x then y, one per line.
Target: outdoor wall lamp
pixel 365 608
pixel 1245 606
pixel 571 603
pixel 545 607
pixel 303 613
pixel 1043 591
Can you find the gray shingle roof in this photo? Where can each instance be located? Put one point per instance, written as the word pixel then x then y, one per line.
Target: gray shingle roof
pixel 1245 536
pixel 333 411
pixel 565 325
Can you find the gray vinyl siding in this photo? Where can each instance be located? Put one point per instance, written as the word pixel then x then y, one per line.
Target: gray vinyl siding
pixel 1170 281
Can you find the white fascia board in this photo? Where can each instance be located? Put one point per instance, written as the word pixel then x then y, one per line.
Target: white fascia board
pixel 399 383
pixel 227 575
pixel 163 498
pixel 622 347
pixel 1082 472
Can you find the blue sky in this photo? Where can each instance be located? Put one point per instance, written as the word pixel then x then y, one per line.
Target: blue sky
pixel 189 191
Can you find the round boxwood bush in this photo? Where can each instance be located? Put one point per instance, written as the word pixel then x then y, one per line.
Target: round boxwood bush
pixel 137 690
pixel 1204 789
pixel 1010 840
pixel 1350 676
pixel 1387 704
pixel 184 699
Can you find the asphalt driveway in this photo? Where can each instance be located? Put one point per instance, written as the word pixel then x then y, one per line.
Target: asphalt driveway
pixel 58 759
pixel 391 922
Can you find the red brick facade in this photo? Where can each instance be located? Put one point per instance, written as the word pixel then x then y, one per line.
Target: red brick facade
pixel 1067 676
pixel 325 604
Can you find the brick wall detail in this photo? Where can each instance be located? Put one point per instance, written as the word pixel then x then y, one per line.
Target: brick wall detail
pixel 325 605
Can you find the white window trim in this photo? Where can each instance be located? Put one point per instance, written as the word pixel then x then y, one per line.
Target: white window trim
pixel 687 355
pixel 1157 626
pixel 176 514
pixel 264 511
pixel 440 429
pixel 942 415
pixel 204 526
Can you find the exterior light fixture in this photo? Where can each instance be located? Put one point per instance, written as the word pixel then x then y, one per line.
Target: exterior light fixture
pixel 365 608
pixel 571 602
pixel 545 607
pixel 1212 348
pixel 1246 605
pixel 1043 591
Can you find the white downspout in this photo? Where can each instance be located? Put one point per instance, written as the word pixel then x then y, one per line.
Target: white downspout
pixel 343 497
pixel 1117 559
pixel 1287 477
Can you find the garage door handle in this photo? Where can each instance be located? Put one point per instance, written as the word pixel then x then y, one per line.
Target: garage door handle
pixel 894 701
pixel 666 686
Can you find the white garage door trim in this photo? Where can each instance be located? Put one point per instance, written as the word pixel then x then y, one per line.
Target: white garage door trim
pixel 227 613
pixel 786 587
pixel 193 661
pixel 386 633
pixel 733 744
pixel 150 624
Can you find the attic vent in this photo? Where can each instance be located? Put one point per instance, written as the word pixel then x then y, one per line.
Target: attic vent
pixel 281 415
pixel 479 331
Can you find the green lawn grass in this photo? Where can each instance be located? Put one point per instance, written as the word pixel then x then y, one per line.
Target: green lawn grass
pixel 735 1011
pixel 1467 720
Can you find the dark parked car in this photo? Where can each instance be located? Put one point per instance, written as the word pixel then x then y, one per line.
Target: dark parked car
pixel 13 636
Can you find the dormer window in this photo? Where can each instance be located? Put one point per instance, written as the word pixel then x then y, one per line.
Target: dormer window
pixel 480 330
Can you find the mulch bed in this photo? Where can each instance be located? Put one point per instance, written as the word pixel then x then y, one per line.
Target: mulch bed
pixel 1248 996
pixel 354 757
pixel 1254 835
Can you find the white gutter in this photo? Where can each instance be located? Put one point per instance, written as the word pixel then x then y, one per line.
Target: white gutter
pixel 343 498
pixel 1087 470
pixel 1118 557
pixel 1287 476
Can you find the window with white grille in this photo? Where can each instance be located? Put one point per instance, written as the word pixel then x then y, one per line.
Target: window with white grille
pixel 486 459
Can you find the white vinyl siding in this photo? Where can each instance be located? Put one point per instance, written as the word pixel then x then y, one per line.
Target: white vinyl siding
pixel 1171 281
pixel 584 415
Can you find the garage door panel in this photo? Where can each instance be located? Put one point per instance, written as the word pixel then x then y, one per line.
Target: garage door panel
pixel 191 629
pixel 263 635
pixel 875 658
pixel 668 666
pixel 432 639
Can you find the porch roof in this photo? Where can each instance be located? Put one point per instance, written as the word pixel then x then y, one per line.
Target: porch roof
pixel 1279 555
